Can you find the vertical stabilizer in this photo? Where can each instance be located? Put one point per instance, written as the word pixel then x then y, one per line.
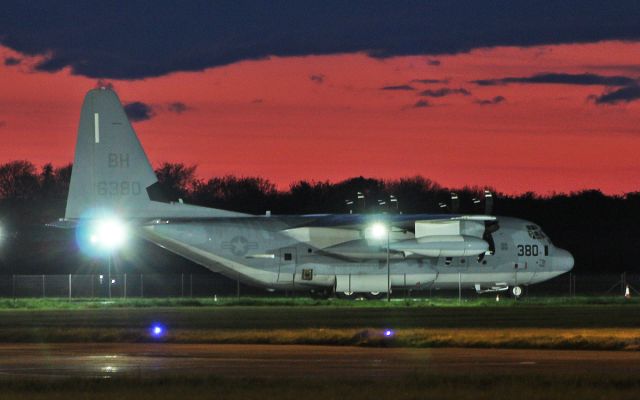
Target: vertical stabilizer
pixel 110 169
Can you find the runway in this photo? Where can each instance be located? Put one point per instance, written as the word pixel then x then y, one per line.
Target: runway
pixel 108 360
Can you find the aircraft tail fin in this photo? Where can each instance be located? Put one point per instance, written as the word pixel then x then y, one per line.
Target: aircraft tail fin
pixel 111 170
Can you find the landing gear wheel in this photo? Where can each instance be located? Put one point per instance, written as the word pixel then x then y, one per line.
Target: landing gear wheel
pixel 516 291
pixel 320 294
pixel 375 295
pixel 346 295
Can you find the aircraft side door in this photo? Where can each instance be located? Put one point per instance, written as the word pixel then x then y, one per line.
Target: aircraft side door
pixel 287 264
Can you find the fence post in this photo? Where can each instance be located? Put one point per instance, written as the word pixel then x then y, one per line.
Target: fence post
pixel 191 285
pixel 125 285
pixel 13 286
pixel 92 283
pixel 43 285
pixel 141 285
pixel 182 284
pixel 238 286
pixel 459 287
pixel 69 287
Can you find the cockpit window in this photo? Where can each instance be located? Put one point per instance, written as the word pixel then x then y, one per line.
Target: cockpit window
pixel 535 232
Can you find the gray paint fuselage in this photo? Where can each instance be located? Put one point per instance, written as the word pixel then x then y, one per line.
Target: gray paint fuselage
pixel 255 250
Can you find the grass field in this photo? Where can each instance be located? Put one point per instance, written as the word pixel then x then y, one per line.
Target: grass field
pixel 435 386
pixel 488 301
pixel 580 323
pixel 518 338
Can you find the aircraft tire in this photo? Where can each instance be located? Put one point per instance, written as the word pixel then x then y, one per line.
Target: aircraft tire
pixel 321 294
pixel 375 295
pixel 347 295
pixel 517 291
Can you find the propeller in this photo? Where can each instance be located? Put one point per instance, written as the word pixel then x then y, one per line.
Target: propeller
pixel 488 202
pixel 455 203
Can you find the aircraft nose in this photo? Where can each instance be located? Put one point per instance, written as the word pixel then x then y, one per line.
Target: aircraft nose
pixel 562 260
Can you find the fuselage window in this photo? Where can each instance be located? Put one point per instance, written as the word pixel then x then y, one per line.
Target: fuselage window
pixel 288 256
pixel 447 261
pixel 546 250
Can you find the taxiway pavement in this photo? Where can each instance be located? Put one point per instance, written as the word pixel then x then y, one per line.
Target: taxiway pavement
pixel 105 360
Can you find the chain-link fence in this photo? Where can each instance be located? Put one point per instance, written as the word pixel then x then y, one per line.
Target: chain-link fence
pixel 120 285
pixel 208 285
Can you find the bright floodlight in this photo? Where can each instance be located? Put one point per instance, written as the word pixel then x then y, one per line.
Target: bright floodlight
pixel 109 233
pixel 388 333
pixel 378 230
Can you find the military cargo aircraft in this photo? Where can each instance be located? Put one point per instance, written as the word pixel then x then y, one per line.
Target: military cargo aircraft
pixel 348 254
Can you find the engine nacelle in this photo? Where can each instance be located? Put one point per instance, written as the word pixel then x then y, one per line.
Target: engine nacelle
pixel 443 246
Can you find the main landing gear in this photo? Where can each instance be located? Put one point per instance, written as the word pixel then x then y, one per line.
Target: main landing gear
pixel 516 291
pixel 361 295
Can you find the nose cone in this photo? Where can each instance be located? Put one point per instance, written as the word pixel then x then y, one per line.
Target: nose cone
pixel 562 260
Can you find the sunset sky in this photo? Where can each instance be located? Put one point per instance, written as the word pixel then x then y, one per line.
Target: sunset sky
pixel 549 101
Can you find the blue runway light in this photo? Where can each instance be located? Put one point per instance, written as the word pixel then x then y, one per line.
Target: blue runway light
pixel 388 333
pixel 157 331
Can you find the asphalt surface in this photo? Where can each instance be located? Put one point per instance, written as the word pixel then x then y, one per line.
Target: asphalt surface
pixel 109 360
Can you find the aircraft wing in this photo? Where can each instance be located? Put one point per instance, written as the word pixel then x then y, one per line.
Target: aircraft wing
pixel 413 235
pixel 394 220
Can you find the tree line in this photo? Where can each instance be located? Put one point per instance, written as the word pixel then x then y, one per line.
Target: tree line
pixel 600 230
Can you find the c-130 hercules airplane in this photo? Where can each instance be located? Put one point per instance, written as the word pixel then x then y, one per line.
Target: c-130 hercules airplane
pixel 348 254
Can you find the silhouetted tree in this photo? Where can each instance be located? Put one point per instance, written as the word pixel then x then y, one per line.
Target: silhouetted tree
pixel 600 230
pixel 176 179
pixel 18 180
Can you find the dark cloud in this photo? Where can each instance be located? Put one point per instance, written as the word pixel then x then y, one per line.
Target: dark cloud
pixel 444 92
pixel 11 61
pixel 178 107
pixel 622 95
pixel 138 111
pixel 398 87
pixel 489 102
pixel 317 78
pixel 421 104
pixel 560 78
pixel 138 39
pixel 433 62
pixel 427 81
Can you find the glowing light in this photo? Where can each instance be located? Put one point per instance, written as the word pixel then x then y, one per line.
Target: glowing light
pixel 157 330
pixel 388 333
pixel 378 230
pixel 108 233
